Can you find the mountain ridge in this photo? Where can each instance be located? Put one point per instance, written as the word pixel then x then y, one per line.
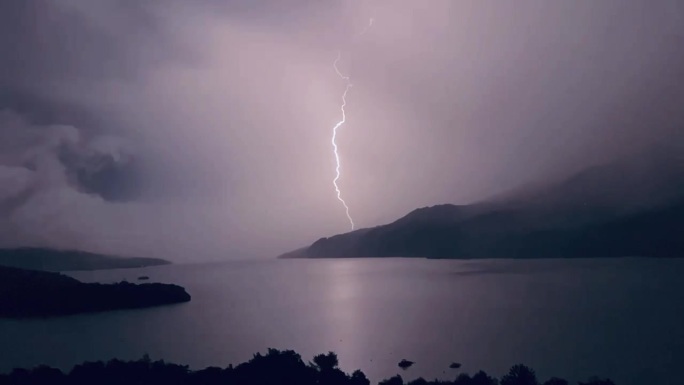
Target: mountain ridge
pixel 45 259
pixel 633 207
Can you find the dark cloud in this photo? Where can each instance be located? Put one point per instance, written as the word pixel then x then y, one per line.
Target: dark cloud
pixel 107 168
pixel 76 40
pixel 110 179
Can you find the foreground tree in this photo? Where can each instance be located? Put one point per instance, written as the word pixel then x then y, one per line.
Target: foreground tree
pixel 520 375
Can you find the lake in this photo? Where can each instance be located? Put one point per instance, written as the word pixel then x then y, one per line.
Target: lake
pixel 618 318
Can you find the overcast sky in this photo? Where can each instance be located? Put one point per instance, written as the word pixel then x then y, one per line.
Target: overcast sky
pixel 198 130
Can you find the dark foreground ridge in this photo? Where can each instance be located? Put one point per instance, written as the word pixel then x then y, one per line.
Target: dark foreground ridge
pixel 274 368
pixel 34 258
pixel 29 293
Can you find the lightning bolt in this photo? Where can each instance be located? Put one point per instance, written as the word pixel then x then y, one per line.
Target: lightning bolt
pixel 370 24
pixel 338 163
pixel 347 86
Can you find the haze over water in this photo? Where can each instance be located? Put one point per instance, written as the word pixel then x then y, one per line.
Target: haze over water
pixel 617 318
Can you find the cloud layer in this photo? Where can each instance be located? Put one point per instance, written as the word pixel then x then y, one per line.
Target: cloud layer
pixel 202 130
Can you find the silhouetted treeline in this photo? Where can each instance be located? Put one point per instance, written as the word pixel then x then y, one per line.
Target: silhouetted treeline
pixel 274 368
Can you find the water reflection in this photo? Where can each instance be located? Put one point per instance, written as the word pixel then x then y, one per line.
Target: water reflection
pixel 343 299
pixel 568 318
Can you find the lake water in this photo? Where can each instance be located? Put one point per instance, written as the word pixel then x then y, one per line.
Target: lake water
pixel 620 318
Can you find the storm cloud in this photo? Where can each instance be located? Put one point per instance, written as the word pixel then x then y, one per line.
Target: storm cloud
pixel 198 130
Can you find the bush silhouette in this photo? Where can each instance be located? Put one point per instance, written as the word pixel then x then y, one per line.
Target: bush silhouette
pixel 396 380
pixel 419 381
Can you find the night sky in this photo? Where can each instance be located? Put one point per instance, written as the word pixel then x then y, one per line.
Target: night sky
pixel 201 130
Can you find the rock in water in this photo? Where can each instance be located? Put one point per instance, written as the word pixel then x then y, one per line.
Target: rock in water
pixel 405 364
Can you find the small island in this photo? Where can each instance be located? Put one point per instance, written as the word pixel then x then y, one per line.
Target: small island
pixel 405 364
pixel 30 293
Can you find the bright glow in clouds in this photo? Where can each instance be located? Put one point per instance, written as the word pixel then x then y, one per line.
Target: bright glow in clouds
pixel 348 85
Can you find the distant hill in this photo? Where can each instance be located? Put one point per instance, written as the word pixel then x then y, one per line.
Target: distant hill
pixel 628 208
pixel 67 260
pixel 29 293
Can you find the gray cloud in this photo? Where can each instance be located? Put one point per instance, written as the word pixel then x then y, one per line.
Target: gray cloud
pixel 46 171
pixel 202 130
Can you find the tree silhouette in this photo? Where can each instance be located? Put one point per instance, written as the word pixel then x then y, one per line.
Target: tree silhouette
pixel 598 381
pixel 358 378
pixel 326 362
pixel 481 378
pixel 462 379
pixel 556 381
pixel 273 368
pixel 520 375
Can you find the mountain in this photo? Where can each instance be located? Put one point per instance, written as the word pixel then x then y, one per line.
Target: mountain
pixel 29 293
pixel 68 260
pixel 633 207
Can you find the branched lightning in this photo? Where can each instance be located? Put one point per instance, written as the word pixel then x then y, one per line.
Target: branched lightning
pixel 347 86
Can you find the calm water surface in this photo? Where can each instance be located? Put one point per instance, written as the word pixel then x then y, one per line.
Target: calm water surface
pixel 620 318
